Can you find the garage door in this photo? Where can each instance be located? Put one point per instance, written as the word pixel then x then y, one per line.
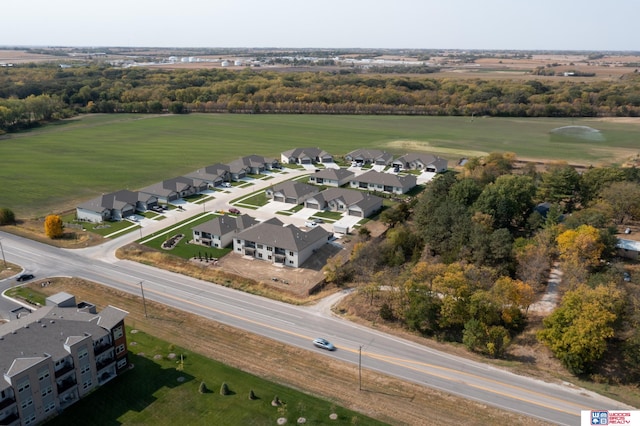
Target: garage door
pixel 356 213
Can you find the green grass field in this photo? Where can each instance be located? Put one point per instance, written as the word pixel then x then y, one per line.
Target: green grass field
pixel 160 390
pixel 52 169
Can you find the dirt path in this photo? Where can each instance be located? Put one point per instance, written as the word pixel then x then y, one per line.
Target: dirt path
pixel 550 299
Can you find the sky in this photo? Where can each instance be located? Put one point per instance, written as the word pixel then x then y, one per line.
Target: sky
pixel 409 24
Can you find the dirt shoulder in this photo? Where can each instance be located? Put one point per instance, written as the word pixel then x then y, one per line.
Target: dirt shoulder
pixel 386 398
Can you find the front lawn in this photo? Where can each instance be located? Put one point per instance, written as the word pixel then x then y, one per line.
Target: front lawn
pixel 183 248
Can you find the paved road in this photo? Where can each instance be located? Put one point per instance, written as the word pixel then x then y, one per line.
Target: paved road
pixel 297 326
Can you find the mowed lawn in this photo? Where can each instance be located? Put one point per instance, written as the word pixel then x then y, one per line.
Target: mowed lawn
pixel 52 169
pixel 163 388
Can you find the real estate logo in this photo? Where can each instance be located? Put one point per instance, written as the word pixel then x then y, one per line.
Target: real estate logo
pixel 610 417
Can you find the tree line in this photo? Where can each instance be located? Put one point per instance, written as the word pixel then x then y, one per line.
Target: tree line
pixel 465 260
pixel 33 93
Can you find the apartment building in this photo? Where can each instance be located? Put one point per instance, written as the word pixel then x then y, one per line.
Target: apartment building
pixel 56 355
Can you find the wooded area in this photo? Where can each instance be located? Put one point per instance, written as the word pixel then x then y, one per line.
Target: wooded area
pixel 32 93
pixel 464 261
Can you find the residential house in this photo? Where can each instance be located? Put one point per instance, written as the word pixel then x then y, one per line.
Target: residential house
pixel 421 161
pixel 55 356
pixel 174 189
pixel 369 156
pixel 252 164
pixel 114 206
pixel 291 192
pixel 219 232
pixel 305 156
pixel 384 182
pixel 283 245
pixel 214 175
pixel 628 248
pixel 331 177
pixel 354 203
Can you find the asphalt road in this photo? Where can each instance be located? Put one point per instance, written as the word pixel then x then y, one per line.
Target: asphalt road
pixel 294 325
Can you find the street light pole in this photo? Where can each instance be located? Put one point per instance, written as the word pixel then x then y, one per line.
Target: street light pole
pixel 144 301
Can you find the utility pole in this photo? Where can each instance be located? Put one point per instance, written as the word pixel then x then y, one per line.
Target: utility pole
pixel 360 367
pixel 2 250
pixel 144 301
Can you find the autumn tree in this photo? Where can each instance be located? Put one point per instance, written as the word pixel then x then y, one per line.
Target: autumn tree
pixel 577 332
pixel 53 226
pixel 624 199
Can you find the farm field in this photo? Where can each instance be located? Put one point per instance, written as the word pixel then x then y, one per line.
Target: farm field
pixel 52 169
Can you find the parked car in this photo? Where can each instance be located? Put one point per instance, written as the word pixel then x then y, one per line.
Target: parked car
pixel 311 224
pixel 323 344
pixel 25 277
pixel 226 185
pixel 234 210
pixel 627 276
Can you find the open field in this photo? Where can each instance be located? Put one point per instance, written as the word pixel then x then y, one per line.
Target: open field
pixel 54 168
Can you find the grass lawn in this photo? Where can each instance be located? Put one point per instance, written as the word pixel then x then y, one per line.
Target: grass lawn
pixel 257 199
pixel 163 390
pixel 183 249
pixel 54 168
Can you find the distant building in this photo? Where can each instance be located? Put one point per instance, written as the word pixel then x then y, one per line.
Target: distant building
pixel 369 156
pixel 384 182
pixel 419 161
pixel 56 355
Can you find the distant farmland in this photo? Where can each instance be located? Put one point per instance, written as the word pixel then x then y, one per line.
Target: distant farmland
pixel 54 168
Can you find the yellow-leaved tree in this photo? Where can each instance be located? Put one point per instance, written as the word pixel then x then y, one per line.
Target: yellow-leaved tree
pixel 53 226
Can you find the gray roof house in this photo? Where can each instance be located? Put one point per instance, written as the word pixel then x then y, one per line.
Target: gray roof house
pixel 254 164
pixel 114 206
pixel 421 161
pixel 331 177
pixel 56 355
pixel 173 189
pixel 305 156
pixel 354 203
pixel 370 156
pixel 219 232
pixel 291 192
pixel 213 175
pixel 384 182
pixel 277 244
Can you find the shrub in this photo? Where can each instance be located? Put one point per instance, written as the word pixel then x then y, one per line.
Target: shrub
pixel 252 395
pixel 224 389
pixel 276 401
pixel 203 388
pixel 7 217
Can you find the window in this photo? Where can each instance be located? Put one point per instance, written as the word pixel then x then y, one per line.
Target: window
pixel 117 332
pixel 260 246
pixel 85 368
pixel 119 349
pixel 83 353
pixel 291 262
pixel 86 384
pixel 27 402
pixel 30 419
pixel 46 391
pixel 269 248
pixel 122 363
pixel 49 407
pixel 290 253
pixel 260 255
pixel 269 257
pixel 23 386
pixel 43 373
